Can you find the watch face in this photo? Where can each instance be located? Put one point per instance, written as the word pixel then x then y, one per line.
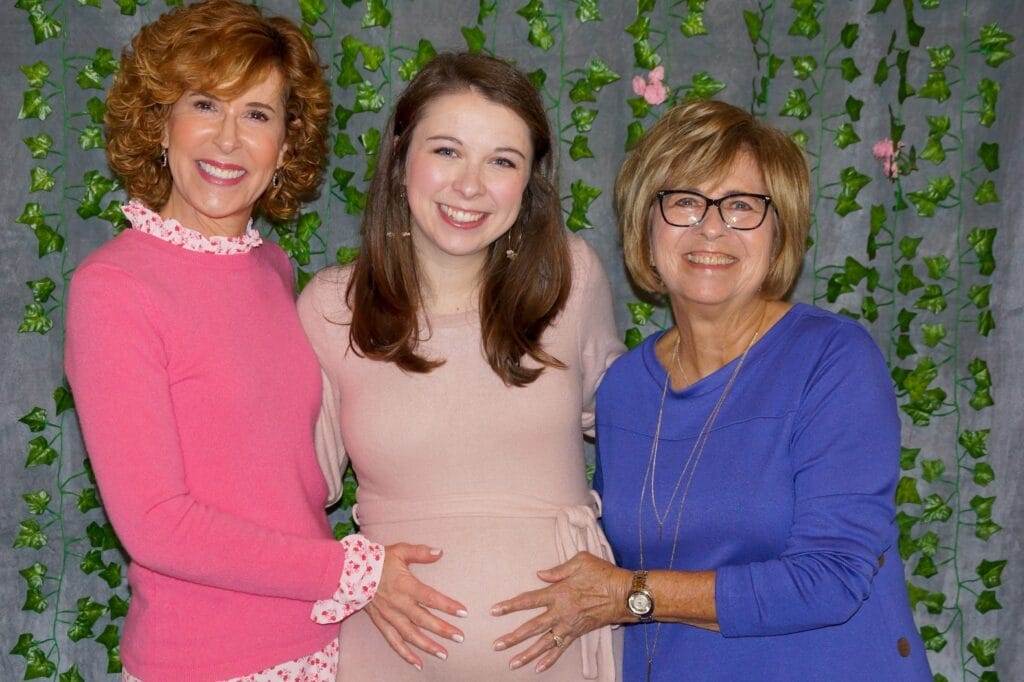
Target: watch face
pixel 640 603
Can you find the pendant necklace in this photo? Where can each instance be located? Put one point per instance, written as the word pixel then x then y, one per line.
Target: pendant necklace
pixel 687 473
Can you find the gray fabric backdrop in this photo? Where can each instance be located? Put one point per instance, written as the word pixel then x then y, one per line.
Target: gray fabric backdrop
pixel 32 362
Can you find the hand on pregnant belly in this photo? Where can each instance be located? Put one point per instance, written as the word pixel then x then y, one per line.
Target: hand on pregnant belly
pixel 586 593
pixel 400 607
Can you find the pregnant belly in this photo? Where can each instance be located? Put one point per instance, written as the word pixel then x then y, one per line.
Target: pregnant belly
pixel 485 560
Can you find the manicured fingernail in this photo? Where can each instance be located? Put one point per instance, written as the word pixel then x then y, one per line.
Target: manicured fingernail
pixel 418 666
pixel 540 668
pixel 434 551
pixel 499 645
pixel 442 655
pixel 458 638
pixel 495 611
pixel 514 664
pixel 462 613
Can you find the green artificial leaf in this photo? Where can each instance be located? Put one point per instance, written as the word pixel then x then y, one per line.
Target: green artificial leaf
pixel 640 312
pixel 774 64
pixel 869 308
pixel 982 239
pixel 92 561
pixel 117 606
pixel 928 199
pixel 904 90
pixel 639 106
pixel 537 77
pixel 933 334
pixel 302 278
pixel 101 537
pixel 40 452
pixel 986 193
pixel 72 674
pixel 908 458
pixel 987 602
pixel 33 575
pixel 754 23
pixel 25 645
pixel 979 372
pixel 36 74
pixel 846 135
pixel 96 187
pixel 983 530
pixel 982 506
pixel 34 105
pixel 993 44
pixel 848 36
pixel 583 91
pixel 341 529
pixel 934 151
pixel 702 86
pixel 355 200
pixel 933 601
pixel 904 347
pixel 88 499
pixel 41 289
pixel 424 53
pixel 975 442
pixel 89 79
pixel 370 142
pixel 805 23
pixel 988 90
pixel 803 67
pixel 852 182
pixel 600 74
pixel 914 30
pixel 640 28
pixel 986 322
pixel 111 574
pixel 933 639
pixel 40 145
pixel 37 501
pixel 634 131
pixel 908 249
pixel 800 138
pixel 644 55
pixel 91 137
pixel 96 109
pixel 933 299
pixel 475 38
pixel 350 487
pixel 932 469
pixel 925 567
pixel 693 25
pixel 486 9
pixel 62 400
pixel 377 14
pixel 127 7
pixel 881 71
pixel 929 4
pixel 41 180
pixel 796 104
pixel 906 491
pixel 30 534
pixel 580 148
pixel 48 240
pixel 44 27
pixel 991 572
pixel 34 419
pixel 583 195
pixel 540 33
pixel 368 98
pixel 937 266
pixel 853 107
pixel 979 294
pixel 295 247
pixel 935 509
pixel 634 337
pixel 849 69
pixel 88 612
pixel 988 152
pixel 983 474
pixel 984 650
pixel 837 286
pixel 940 57
pixel 343 146
pixel 346 255
pixel 39 665
pixel 312 10
pixel 341 177
pixel 583 118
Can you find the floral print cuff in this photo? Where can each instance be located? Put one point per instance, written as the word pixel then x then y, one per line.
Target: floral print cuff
pixel 360 575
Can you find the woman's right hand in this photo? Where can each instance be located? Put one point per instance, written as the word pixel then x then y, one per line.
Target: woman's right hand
pixel 399 608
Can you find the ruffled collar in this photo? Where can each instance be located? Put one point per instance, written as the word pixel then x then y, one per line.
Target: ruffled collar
pixel 145 220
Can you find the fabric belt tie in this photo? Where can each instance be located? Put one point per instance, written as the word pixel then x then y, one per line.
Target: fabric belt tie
pixel 576 530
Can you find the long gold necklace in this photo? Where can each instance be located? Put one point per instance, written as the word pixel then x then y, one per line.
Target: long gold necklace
pixel 687 472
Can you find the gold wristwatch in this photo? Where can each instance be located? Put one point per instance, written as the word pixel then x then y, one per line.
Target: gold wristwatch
pixel 640 601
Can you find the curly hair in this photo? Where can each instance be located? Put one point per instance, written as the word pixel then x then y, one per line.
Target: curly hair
pixel 222 47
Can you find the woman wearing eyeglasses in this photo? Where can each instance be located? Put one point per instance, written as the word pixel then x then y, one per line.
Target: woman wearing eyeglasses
pixel 748 454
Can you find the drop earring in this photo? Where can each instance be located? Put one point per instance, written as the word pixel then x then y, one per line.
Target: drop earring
pixel 163 158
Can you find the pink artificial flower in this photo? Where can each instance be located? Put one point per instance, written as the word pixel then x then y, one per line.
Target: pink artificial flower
pixel 886 151
pixel 652 89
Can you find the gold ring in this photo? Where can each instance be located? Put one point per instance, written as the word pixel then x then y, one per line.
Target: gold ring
pixel 558 639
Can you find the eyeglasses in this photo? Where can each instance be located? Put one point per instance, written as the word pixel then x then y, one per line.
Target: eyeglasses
pixel 686 208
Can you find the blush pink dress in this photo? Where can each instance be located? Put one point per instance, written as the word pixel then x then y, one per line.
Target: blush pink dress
pixel 493 475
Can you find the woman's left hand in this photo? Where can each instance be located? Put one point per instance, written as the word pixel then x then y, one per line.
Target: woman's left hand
pixel 585 593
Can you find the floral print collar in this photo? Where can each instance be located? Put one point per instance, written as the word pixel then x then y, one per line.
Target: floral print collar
pixel 145 220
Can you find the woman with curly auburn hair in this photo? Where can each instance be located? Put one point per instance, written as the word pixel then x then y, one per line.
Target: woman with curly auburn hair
pixel 197 391
pixel 463 349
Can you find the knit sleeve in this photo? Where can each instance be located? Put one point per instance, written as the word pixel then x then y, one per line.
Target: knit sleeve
pixel 844 448
pixel 330 448
pixel 116 363
pixel 598 338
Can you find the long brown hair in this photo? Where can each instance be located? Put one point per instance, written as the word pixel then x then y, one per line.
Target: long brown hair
pixel 519 297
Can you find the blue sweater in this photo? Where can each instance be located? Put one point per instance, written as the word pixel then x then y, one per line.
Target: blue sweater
pixel 791 505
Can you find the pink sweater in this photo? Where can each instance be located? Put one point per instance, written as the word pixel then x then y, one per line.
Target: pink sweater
pixel 198 394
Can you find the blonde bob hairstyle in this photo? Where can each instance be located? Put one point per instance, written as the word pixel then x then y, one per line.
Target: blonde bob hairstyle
pixel 221 47
pixel 698 142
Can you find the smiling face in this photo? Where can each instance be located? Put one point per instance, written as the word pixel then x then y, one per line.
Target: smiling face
pixel 711 264
pixel 467 165
pixel 222 155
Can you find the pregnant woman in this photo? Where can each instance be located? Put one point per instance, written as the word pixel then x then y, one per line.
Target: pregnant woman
pixel 463 348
